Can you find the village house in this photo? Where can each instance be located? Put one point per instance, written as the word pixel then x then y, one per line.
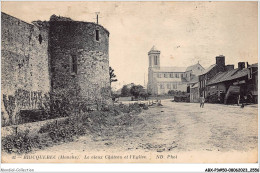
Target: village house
pixel 163 79
pixel 211 72
pixel 193 88
pixel 234 85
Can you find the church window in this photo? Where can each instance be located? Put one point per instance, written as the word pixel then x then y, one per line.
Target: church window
pixel 174 86
pixel 169 86
pixel 165 75
pixel 171 75
pixel 155 60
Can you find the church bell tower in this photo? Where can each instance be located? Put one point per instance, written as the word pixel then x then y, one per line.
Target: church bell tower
pixel 154 63
pixel 154 58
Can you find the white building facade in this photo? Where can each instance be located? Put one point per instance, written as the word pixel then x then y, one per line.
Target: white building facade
pixel 163 79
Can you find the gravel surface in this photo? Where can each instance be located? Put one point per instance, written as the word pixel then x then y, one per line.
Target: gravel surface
pixel 215 133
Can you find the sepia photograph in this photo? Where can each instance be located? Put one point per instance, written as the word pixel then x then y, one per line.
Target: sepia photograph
pixel 129 82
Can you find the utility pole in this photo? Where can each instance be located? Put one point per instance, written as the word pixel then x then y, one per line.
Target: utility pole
pixel 144 80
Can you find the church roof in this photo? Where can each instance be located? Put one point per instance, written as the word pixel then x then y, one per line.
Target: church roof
pixel 169 69
pixel 154 49
pixel 193 67
pixel 196 69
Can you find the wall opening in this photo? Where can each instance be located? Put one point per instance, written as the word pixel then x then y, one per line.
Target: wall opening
pixel 74 64
pixel 40 38
pixel 97 35
pixel 155 60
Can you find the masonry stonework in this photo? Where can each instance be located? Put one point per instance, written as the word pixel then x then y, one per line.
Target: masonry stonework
pixel 25 74
pixel 71 39
pixel 37 60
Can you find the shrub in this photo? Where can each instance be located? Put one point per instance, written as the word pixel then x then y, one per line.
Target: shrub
pixel 72 127
pixel 64 131
pixel 20 143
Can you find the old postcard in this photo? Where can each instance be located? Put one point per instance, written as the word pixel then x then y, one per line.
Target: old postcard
pixel 129 82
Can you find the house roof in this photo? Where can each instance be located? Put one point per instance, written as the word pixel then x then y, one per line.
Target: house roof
pixel 170 69
pixel 194 79
pixel 195 85
pixel 254 65
pixel 184 80
pixel 228 75
pixel 210 68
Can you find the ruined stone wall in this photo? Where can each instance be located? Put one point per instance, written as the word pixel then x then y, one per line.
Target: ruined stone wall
pixel 70 39
pixel 24 67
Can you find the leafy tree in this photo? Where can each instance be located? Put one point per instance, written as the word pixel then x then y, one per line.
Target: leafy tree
pixel 144 95
pixel 171 92
pixel 136 90
pixel 125 91
pixel 112 75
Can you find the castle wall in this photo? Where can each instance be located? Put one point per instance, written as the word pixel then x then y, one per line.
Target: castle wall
pixel 71 39
pixel 24 67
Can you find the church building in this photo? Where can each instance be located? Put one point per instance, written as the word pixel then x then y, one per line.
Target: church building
pixel 163 79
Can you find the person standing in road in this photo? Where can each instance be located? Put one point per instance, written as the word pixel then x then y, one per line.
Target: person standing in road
pixel 202 101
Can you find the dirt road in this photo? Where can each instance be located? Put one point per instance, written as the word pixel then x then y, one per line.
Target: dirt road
pixel 210 134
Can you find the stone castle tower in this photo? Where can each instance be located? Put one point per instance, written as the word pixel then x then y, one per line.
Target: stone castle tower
pixel 61 56
pixel 79 59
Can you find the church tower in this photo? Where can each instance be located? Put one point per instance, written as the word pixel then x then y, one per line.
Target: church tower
pixel 154 63
pixel 154 58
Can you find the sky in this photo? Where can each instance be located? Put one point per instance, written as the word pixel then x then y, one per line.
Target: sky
pixel 184 32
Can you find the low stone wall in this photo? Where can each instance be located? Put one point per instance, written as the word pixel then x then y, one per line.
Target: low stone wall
pixel 32 127
pixel 124 98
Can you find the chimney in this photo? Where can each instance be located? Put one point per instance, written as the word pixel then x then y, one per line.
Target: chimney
pixel 220 60
pixel 241 65
pixel 229 67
